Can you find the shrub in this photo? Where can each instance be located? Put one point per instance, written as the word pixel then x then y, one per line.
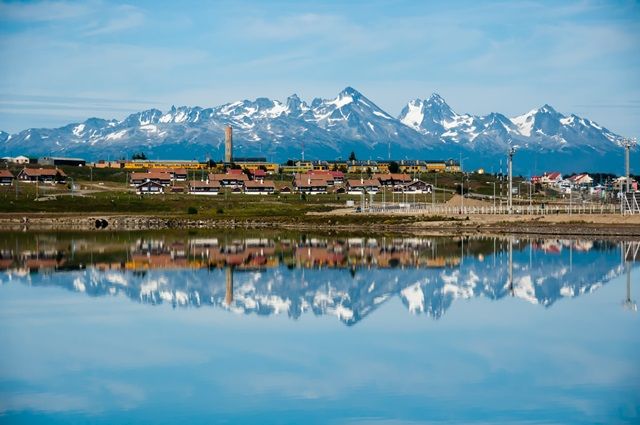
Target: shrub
pixel 192 210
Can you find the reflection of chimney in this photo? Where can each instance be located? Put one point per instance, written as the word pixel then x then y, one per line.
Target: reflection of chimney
pixel 228 296
pixel 228 144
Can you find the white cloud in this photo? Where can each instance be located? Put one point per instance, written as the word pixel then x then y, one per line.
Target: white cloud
pixel 122 18
pixel 42 11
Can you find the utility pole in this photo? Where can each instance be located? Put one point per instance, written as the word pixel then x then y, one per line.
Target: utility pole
pixel 628 144
pixel 512 150
pixel 627 147
pixel 461 186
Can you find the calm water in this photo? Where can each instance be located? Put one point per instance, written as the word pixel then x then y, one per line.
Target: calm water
pixel 289 328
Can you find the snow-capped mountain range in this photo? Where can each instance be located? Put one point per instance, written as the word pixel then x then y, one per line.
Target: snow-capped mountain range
pixel 331 129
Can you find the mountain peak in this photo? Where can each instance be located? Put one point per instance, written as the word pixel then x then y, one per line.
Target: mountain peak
pixel 349 91
pixel 436 98
pixel 546 108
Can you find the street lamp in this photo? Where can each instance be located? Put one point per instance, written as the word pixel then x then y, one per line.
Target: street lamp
pixel 512 151
pixel 494 194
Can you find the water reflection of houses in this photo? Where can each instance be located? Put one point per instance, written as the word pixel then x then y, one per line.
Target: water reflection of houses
pixel 239 253
pixel 28 261
pixel 245 254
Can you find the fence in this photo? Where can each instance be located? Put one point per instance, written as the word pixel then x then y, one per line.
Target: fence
pixel 630 203
pixel 498 210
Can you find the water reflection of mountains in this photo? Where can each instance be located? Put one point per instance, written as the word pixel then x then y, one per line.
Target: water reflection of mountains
pixel 347 277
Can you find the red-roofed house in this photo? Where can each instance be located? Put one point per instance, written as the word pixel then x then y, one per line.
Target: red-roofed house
pixel 253 187
pixel 136 179
pixel 305 183
pixel 358 187
pixel 42 175
pixel 204 188
pixel 551 179
pixel 231 179
pixel 6 178
pixel 393 179
pixel 581 180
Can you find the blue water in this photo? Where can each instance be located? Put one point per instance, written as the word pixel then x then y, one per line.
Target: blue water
pixel 270 338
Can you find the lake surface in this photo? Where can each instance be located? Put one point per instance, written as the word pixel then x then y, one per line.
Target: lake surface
pixel 202 327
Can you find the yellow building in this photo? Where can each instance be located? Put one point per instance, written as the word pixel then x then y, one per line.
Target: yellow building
pixel 139 164
pixel 297 167
pixel 270 167
pixel 436 167
pixel 355 167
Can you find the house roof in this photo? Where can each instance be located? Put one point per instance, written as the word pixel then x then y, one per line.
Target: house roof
pixel 6 173
pixel 233 176
pixel 150 183
pixel 393 176
pixel 363 183
pixel 43 172
pixel 417 183
pixel 252 183
pixel 306 180
pixel 326 173
pixel 259 173
pixel 151 175
pixel 554 175
pixel 198 183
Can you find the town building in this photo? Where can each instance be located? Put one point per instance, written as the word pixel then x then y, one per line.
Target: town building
pixel 296 167
pixel 620 184
pixel 355 167
pixel 6 178
pixel 412 166
pixel 581 180
pixel 42 175
pixel 551 179
pixel 308 184
pixel 360 186
pixel 149 187
pixel 59 161
pixel 333 178
pixel 254 164
pixel 176 174
pixel 204 188
pixel 258 175
pixel 162 178
pixel 233 179
pixel 393 179
pixel 415 187
pixel 259 187
pixel 145 164
pixel 20 160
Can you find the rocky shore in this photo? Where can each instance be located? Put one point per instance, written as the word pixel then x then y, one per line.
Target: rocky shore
pixel 592 225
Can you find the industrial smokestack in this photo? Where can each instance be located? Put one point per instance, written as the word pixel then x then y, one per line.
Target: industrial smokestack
pixel 228 144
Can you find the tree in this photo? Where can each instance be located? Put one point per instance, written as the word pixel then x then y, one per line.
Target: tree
pixel 139 155
pixel 352 156
pixel 394 167
pixel 290 162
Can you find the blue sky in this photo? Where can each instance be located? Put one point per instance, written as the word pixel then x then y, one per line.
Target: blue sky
pixel 65 61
